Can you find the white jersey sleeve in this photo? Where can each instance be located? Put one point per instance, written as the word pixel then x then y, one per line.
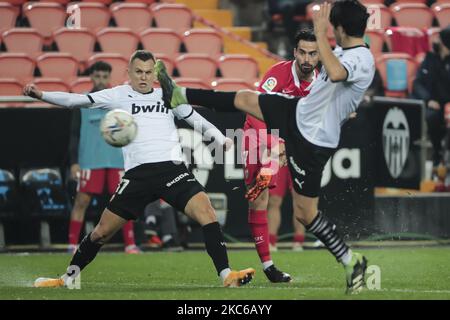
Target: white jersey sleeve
pixel 357 65
pixel 105 99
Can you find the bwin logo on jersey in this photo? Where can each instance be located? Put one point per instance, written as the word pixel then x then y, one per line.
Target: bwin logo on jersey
pixel 154 108
pixel 181 176
pixel 395 141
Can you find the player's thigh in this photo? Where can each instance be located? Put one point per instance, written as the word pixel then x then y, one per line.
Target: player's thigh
pixel 200 209
pixel 132 196
pixel 92 181
pixel 108 225
pixel 113 177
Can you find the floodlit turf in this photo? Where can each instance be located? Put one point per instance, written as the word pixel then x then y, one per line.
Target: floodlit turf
pixel 419 273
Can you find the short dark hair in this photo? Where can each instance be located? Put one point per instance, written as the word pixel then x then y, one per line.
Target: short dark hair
pixel 143 55
pixel 100 66
pixel 305 34
pixel 351 15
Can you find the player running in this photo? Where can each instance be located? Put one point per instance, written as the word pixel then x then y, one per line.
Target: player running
pixel 94 163
pixel 154 168
pixel 310 126
pixel 294 78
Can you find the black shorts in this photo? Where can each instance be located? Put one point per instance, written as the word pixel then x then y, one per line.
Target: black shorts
pixel 173 183
pixel 305 160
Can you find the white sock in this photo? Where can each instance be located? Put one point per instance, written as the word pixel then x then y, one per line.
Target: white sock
pixel 267 264
pixel 347 257
pixel 224 273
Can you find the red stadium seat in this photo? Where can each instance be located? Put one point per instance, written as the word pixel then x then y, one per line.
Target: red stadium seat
pixel 192 83
pixel 416 15
pixel 168 62
pixel 81 85
pixel 238 66
pixel 18 66
pixel 23 40
pixel 10 87
pixel 8 16
pixel 411 71
pixel 135 16
pixel 106 2
pixel 442 13
pixel 203 41
pixel 94 16
pixel 407 40
pixel 411 1
pixel 161 40
pixel 119 66
pixel 369 2
pixel 51 84
pixel 173 16
pixel 118 40
pixel 63 2
pixel 231 85
pixel 380 17
pixel 78 42
pixel 194 65
pixel 45 17
pixel 58 65
pixel 142 1
pixel 376 41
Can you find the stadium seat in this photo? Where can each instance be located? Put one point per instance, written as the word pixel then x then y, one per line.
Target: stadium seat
pixel 411 1
pixel 45 17
pixel 407 39
pixel 94 16
pixel 231 85
pixel 81 85
pixel 142 1
pixel 118 40
pixel 411 67
pixel 63 2
pixel 8 16
pixel 196 66
pixel 161 41
pixel 51 84
pixel 380 17
pixel 23 40
pixel 442 13
pixel 58 65
pixel 197 4
pixel 369 2
pixel 192 83
pixel 10 87
pixel 173 16
pixel 119 66
pixel 221 18
pixel 78 42
pixel 416 15
pixel 105 2
pixel 168 62
pixel 376 41
pixel 238 66
pixel 18 66
pixel 135 16
pixel 203 41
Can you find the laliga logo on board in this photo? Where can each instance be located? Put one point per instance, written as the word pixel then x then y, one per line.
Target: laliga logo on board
pixel 395 141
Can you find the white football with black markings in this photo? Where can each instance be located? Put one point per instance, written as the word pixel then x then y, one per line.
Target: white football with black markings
pixel 118 128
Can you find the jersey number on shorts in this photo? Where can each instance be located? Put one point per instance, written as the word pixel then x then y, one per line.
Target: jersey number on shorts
pixel 122 185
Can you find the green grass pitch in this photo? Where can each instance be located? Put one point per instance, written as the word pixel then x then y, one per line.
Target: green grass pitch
pixel 412 273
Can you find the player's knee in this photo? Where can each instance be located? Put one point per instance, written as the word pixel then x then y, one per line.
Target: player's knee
pixel 261 202
pixel 82 201
pixel 243 98
pixel 275 202
pixel 303 212
pixel 99 235
pixel 207 214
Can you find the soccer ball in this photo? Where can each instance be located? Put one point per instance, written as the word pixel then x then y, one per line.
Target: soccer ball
pixel 118 128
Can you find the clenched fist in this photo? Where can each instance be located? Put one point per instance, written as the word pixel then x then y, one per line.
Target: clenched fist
pixel 31 91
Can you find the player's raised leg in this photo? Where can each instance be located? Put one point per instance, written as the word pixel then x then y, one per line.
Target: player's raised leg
pixel 108 225
pixel 200 209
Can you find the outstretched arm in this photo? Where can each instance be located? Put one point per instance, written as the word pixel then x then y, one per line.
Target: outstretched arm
pixel 64 99
pixel 335 70
pixel 187 113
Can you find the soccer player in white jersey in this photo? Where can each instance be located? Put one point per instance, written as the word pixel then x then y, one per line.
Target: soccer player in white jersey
pixel 311 125
pixel 153 168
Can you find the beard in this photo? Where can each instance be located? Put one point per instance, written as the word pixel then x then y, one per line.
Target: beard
pixel 306 68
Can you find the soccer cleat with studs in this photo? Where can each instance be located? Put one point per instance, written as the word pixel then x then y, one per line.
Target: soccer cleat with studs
pixel 276 276
pixel 355 273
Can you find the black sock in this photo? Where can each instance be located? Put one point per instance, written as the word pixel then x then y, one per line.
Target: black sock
pixel 326 232
pixel 215 245
pixel 86 252
pixel 216 100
